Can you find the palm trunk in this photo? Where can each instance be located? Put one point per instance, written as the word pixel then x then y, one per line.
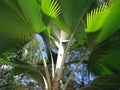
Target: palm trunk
pixel 55 83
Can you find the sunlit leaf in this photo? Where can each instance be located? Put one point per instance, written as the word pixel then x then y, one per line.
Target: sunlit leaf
pixel 50 7
pixel 101 20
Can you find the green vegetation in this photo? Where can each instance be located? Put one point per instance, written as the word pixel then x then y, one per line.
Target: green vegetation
pixel 64 25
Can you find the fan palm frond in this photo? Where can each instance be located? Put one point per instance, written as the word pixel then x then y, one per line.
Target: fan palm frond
pixel 105 59
pixel 108 81
pixel 19 20
pixel 104 83
pixel 98 15
pixel 101 20
pixel 32 13
pixel 104 40
pixel 20 67
pixel 51 8
pixel 12 30
pixel 109 28
pixel 73 11
pixel 71 16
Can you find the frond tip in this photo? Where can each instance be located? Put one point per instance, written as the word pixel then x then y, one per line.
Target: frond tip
pixel 50 7
pixel 97 17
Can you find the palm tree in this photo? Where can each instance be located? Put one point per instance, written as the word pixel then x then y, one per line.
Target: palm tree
pixel 62 21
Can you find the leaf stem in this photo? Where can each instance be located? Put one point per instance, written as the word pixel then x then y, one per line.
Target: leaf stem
pixel 45 65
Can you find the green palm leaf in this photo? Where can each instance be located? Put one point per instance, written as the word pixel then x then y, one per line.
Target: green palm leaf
pixel 104 49
pixel 71 17
pixel 108 81
pixel 50 7
pixel 109 28
pixel 100 21
pixel 99 14
pixel 73 11
pixel 105 59
pixel 20 67
pixel 32 13
pixel 19 20
pixel 11 29
pixel 103 83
